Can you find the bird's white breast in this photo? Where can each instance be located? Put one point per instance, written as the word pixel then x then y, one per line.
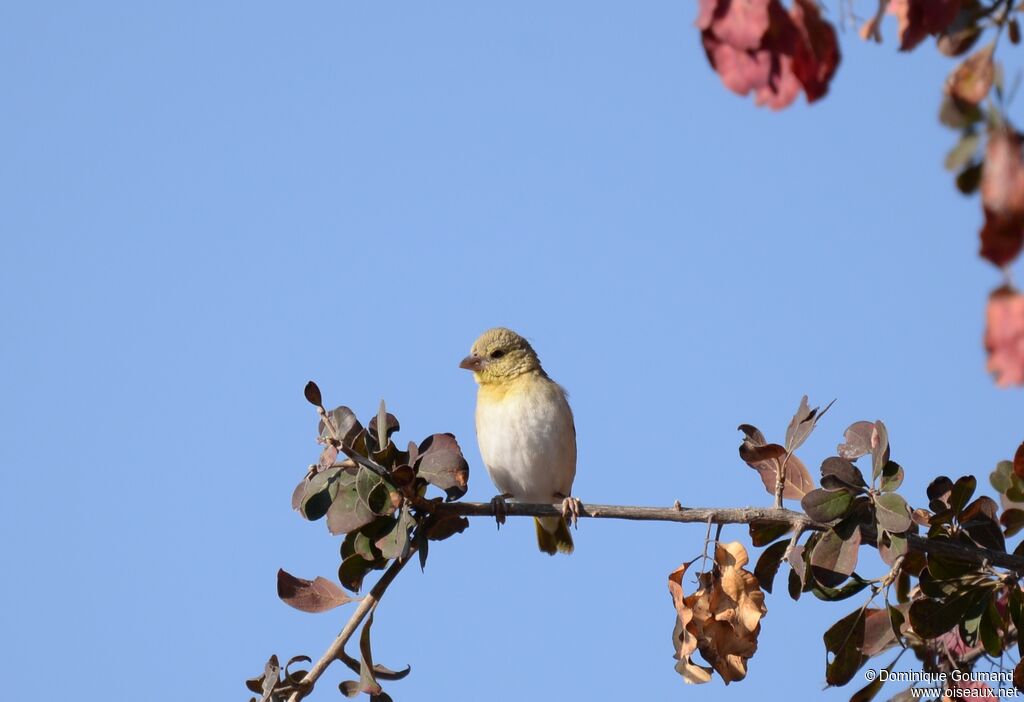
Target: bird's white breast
pixel 528 441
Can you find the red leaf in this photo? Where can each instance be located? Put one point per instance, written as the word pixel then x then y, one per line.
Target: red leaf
pixel 1018 461
pixel 705 13
pixel 919 18
pixel 1004 336
pixel 740 71
pixel 817 57
pixel 317 595
pixel 756 46
pixel 740 23
pixel 1002 180
pixel 1001 238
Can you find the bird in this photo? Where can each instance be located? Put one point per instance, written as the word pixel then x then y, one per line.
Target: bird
pixel 526 432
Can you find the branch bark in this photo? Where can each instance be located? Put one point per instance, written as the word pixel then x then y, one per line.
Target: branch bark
pixel 741 515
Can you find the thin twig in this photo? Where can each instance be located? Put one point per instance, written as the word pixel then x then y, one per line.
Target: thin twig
pixel 740 515
pixel 798 530
pixel 332 654
pixel 780 481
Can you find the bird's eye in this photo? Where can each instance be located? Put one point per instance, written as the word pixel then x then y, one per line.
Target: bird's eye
pixel 497 354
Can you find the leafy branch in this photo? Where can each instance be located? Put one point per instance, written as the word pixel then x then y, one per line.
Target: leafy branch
pixel 951 592
pixel 758 517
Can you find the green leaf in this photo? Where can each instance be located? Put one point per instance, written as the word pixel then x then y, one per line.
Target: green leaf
pixel 879 450
pixel 896 548
pixel 348 513
pixel 367 682
pixel 364 546
pixel 931 618
pixel 768 564
pixel 1000 477
pixel 964 151
pixel 794 585
pixel 837 594
pixel 892 477
pixel 971 623
pixel 827 505
pixel 896 620
pixel 381 425
pixel 945 568
pixel 957 115
pixel 984 532
pixel 318 494
pixel 395 540
pixel 991 623
pixel 352 571
pixel 763 533
pixel 892 513
pixel 838 473
pixel 374 492
pixel 1012 521
pixel 342 426
pixel 834 558
pixel 869 691
pixel 963 490
pixel 1015 605
pixel 844 640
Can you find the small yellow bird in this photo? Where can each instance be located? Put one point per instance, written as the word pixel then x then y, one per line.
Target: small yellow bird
pixel 526 432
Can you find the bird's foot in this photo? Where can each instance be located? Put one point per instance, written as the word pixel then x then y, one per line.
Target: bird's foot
pixel 571 508
pixel 500 508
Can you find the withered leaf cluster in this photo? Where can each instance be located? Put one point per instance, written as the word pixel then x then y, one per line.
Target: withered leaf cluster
pixel 721 619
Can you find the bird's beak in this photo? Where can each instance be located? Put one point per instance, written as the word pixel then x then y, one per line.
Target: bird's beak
pixel 472 362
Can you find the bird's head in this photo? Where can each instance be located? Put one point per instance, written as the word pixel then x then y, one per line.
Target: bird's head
pixel 499 355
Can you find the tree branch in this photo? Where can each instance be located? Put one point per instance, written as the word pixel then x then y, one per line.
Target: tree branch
pixel 336 648
pixel 741 515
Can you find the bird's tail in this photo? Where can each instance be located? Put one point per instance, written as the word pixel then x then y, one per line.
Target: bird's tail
pixel 553 535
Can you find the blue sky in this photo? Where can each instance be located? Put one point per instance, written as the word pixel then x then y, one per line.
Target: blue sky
pixel 208 204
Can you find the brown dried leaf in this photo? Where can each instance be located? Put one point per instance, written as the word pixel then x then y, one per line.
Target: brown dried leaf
pixel 972 79
pixel 721 619
pixel 318 595
pixel 766 460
